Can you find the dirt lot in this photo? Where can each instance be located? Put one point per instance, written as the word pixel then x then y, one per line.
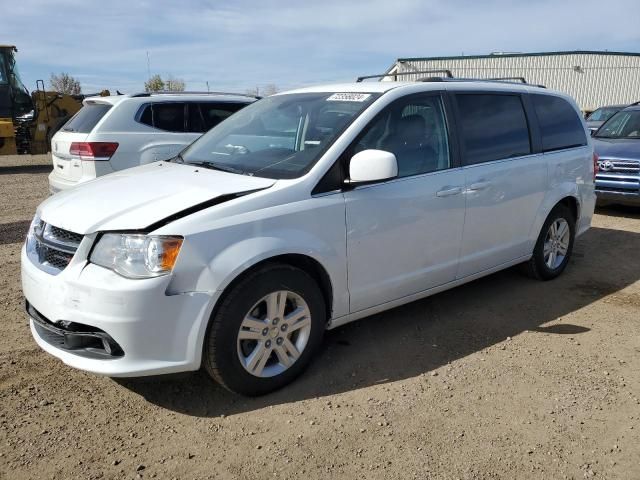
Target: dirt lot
pixel 502 378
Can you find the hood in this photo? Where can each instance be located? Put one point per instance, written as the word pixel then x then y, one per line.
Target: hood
pixel 623 148
pixel 139 197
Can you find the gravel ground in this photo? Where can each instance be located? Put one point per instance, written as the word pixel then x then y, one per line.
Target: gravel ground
pixel 504 378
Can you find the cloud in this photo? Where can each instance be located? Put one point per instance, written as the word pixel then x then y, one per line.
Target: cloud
pixel 238 45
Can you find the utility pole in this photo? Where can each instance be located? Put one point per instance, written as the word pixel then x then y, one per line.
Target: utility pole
pixel 208 86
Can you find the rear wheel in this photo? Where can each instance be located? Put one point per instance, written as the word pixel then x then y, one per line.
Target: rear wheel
pixel 266 330
pixel 554 246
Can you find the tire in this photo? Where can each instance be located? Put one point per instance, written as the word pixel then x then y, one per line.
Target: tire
pixel 244 330
pixel 541 266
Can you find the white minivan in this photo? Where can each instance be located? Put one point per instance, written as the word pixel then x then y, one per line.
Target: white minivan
pixel 123 131
pixel 302 212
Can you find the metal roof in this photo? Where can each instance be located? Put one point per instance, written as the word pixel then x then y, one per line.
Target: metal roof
pixel 523 54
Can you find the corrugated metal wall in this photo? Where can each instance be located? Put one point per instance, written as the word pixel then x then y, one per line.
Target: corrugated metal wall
pixel 592 79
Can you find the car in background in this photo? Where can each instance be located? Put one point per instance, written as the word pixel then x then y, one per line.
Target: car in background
pixel 617 144
pixel 596 118
pixel 112 133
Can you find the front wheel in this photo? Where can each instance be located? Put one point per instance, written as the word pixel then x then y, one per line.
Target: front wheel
pixel 554 246
pixel 266 330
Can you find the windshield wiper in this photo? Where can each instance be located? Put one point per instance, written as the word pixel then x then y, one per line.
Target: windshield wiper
pixel 217 166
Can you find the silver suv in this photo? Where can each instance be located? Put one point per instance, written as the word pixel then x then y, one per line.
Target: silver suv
pixel 117 132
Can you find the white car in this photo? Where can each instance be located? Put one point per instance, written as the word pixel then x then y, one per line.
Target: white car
pixel 302 212
pixel 109 134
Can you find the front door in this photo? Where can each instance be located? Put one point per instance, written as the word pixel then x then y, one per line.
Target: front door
pixel 404 235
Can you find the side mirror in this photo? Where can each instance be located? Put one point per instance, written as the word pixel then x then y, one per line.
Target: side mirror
pixel 372 166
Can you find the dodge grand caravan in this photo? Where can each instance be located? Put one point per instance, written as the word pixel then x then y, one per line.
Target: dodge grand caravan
pixel 302 212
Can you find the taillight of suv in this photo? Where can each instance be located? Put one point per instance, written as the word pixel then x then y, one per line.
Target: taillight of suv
pixel 92 151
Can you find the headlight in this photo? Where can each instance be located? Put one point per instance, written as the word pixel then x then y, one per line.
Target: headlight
pixel 137 256
pixel 34 228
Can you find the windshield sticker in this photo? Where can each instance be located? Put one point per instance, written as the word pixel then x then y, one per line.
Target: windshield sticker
pixel 348 97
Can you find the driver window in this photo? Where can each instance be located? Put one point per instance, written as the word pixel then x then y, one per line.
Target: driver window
pixel 414 130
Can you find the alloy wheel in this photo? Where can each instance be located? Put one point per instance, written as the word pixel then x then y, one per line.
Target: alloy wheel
pixel 556 243
pixel 274 333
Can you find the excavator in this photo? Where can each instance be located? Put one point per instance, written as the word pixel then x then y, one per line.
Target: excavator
pixel 28 121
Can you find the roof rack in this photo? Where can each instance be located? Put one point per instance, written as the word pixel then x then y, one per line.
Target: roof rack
pixel 168 92
pixel 447 73
pixel 508 79
pixel 450 78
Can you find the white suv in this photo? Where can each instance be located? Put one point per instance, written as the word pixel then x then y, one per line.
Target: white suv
pixel 113 133
pixel 302 212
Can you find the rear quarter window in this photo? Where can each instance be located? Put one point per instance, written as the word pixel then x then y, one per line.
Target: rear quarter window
pixel 560 125
pixel 87 118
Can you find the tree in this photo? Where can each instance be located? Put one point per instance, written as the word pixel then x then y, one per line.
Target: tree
pixel 265 91
pixel 154 84
pixel 270 89
pixel 157 84
pixel 65 83
pixel 174 84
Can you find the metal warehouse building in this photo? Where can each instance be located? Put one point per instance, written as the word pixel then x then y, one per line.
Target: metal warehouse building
pixel 593 78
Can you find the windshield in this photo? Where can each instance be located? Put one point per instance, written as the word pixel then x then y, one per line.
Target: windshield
pixel 624 124
pixel 279 137
pixel 602 114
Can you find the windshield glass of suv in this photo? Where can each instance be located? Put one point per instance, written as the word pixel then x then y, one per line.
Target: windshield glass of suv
pixel 281 136
pixel 624 124
pixel 602 114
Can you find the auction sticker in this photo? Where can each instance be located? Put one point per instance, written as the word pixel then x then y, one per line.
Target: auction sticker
pixel 348 97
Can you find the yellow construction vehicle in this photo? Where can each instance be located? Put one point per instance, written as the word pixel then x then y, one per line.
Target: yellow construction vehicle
pixel 28 121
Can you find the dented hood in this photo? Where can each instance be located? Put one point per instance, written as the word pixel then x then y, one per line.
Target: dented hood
pixel 139 197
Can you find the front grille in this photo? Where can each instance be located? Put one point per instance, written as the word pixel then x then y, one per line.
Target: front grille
pixel 52 248
pixel 65 235
pixel 611 165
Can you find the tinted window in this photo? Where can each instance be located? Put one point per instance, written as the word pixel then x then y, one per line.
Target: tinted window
pixel 414 130
pixel 164 116
pixel 195 122
pixel 86 118
pixel 560 125
pixel 205 116
pixel 492 127
pixel 214 113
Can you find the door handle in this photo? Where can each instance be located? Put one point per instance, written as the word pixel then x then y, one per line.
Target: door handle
pixel 475 187
pixel 449 191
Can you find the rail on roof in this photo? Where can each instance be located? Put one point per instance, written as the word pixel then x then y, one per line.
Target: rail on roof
pixel 167 92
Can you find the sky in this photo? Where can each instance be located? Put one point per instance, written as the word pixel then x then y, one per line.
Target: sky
pixel 238 45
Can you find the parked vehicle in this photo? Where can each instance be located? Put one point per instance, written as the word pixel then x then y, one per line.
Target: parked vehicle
pixel 116 132
pixel 596 118
pixel 617 144
pixel 302 212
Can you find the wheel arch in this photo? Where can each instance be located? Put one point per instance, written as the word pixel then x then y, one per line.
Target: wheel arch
pixel 308 264
pixel 567 196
